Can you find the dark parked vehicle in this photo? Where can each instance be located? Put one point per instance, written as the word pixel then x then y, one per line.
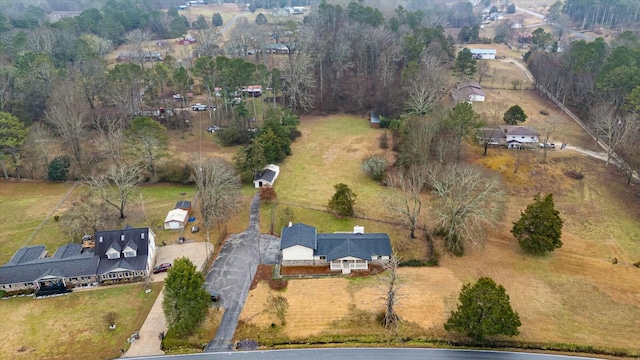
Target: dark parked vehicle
pixel 213 128
pixel 161 268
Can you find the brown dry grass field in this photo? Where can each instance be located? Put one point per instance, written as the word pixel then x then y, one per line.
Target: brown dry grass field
pixel 575 295
pixel 73 326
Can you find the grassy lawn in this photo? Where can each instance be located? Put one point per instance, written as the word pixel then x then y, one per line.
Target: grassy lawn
pixel 66 327
pixel 30 202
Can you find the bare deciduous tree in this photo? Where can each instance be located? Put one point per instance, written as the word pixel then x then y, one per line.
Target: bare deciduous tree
pixel 41 40
pixel 109 134
pixel 391 285
pixel 86 216
pixel 418 137
pixel 299 81
pixel 468 198
pixel 218 189
pixel 278 305
pixel 116 185
pixel 66 114
pixel 36 149
pixel 425 89
pixel 482 68
pixel 547 130
pixel 613 130
pixel 138 40
pixel 404 200
pixel 208 41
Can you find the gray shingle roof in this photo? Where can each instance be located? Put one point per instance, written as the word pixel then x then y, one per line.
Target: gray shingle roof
pixel 68 250
pixel 73 266
pixel 266 175
pixel 137 239
pixel 28 253
pixel 517 130
pixel 183 205
pixel 362 246
pixel 298 234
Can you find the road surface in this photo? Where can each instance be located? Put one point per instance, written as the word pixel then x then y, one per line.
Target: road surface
pixel 233 271
pixel 369 354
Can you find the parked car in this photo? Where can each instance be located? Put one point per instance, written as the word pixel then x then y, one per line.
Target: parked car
pixel 198 107
pixel 548 145
pixel 178 96
pixel 213 128
pixel 161 268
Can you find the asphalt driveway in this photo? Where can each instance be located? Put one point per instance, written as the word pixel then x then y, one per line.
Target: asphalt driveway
pixel 233 272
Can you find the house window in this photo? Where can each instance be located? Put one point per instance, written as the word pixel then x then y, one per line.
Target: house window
pixel 6 286
pixel 28 284
pixel 322 257
pixel 522 137
pixel 113 255
pixel 379 257
pixel 129 254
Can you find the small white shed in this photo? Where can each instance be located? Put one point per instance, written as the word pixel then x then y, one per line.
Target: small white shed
pixel 483 54
pixel 176 219
pixel 267 176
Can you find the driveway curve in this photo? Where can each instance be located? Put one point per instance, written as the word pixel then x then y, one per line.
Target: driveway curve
pixel 233 271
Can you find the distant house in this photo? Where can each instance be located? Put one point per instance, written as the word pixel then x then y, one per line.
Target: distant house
pixel 468 90
pixel 252 90
pixel 146 56
pixel 518 137
pixel 267 176
pixel 375 120
pixel 119 255
pixel 187 40
pixel 301 245
pixel 278 48
pixel 176 219
pixel 483 54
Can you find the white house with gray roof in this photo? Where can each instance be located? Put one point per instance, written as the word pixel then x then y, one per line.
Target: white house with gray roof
pixel 301 245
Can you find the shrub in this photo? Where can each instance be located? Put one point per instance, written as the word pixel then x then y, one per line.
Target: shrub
pixel 374 166
pixel 636 264
pixel 234 136
pixel 174 342
pixel 419 263
pixel 174 172
pixel 544 112
pixel 56 218
pixel 110 318
pixel 3 293
pixel 59 168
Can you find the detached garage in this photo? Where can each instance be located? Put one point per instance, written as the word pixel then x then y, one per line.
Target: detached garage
pixel 176 219
pixel 267 176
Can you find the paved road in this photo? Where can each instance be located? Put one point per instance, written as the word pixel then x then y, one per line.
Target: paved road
pixel 233 272
pixel 369 353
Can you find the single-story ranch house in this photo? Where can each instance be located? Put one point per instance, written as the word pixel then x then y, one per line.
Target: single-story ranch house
pixel 301 245
pixel 469 91
pixel 118 255
pixel 511 136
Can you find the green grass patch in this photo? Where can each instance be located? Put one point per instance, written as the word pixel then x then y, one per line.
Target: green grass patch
pixel 73 326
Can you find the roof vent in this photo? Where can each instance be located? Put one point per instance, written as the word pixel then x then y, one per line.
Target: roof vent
pixel 358 229
pixel 141 235
pixel 122 237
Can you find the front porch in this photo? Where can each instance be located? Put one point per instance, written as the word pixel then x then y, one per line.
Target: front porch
pixel 347 265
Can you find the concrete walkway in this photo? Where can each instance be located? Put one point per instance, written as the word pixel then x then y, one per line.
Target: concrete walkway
pixel 149 343
pixel 233 272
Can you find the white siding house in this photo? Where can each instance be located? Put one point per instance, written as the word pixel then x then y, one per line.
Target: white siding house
pixel 517 137
pixel 342 251
pixel 483 54
pixel 297 253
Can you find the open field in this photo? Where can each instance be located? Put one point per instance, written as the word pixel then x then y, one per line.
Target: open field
pixel 575 295
pixel 29 203
pixel 66 327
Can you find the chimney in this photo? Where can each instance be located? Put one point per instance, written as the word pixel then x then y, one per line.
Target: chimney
pixel 358 229
pixel 290 224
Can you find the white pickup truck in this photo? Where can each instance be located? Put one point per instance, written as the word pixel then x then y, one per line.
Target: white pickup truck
pixel 198 107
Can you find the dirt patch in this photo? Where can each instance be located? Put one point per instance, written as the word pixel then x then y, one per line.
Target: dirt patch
pixel 265 273
pixel 374 269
